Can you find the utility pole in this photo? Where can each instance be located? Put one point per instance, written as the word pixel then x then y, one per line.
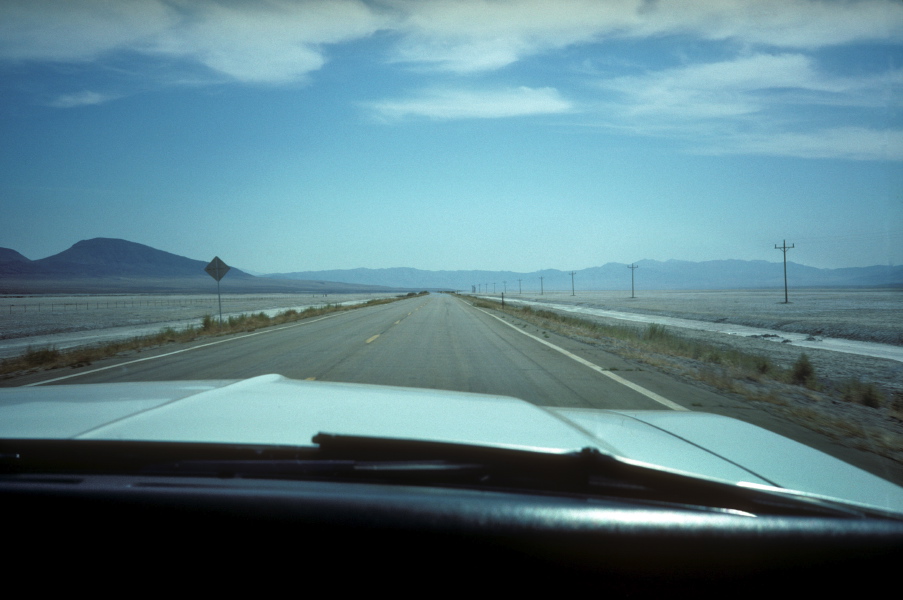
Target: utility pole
pixel 572 282
pixel 504 287
pixel 493 287
pixel 540 286
pixel 784 249
pixel 632 268
pixel 519 289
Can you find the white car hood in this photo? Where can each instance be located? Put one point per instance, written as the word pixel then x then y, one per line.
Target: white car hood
pixel 273 410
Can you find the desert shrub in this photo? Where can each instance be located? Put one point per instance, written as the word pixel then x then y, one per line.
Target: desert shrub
pixel 40 356
pixel 896 405
pixel 714 357
pixel 865 394
pixel 168 334
pixel 209 323
pixel 762 365
pixel 656 332
pixel 802 372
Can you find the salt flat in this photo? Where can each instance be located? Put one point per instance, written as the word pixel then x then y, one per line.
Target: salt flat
pixel 70 321
pixel 871 315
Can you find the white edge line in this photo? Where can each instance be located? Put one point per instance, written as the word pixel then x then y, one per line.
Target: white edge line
pixel 637 388
pixel 138 360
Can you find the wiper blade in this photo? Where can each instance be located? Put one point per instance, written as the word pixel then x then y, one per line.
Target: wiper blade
pixel 591 473
pixel 413 471
pixel 585 474
pixel 34 456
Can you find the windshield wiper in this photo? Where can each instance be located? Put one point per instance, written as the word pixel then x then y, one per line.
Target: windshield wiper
pixel 587 473
pixel 591 473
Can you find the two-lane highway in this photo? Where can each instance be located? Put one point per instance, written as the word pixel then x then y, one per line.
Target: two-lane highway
pixel 435 341
pixel 442 342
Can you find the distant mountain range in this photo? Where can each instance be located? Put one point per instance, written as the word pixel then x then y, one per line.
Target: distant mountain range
pixel 104 265
pixel 650 274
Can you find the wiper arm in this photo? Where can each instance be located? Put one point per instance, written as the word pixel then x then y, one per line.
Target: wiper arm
pixel 583 474
pixel 592 473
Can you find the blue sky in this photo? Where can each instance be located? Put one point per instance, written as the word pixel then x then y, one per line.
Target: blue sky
pixel 478 134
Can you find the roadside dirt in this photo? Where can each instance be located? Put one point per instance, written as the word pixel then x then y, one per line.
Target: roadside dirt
pixel 878 430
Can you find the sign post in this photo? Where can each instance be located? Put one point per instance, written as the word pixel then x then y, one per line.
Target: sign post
pixel 217 269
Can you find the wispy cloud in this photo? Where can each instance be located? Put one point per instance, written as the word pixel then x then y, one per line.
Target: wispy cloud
pixel 474 104
pixel 717 90
pixel 78 31
pixel 267 42
pixel 747 105
pixel 451 35
pixel 274 42
pixel 851 143
pixel 85 98
pixel 480 35
pixel 768 73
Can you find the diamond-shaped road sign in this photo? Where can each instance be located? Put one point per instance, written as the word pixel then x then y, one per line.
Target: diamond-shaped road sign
pixel 217 268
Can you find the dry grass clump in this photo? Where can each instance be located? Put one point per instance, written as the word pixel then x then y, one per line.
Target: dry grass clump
pixel 52 358
pixel 865 394
pixel 802 372
pixel 896 406
pixel 34 357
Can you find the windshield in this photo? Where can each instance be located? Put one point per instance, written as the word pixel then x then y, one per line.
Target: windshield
pixel 675 211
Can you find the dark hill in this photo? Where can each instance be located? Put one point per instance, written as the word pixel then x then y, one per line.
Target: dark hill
pixel 13 263
pixel 112 266
pixel 106 257
pixel 10 255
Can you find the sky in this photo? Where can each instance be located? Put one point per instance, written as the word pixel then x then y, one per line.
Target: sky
pixel 443 134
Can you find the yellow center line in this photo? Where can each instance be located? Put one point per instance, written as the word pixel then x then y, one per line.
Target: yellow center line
pixel 372 338
pixel 309 378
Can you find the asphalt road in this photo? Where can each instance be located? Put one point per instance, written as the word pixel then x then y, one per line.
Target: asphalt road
pixel 436 341
pixel 442 342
